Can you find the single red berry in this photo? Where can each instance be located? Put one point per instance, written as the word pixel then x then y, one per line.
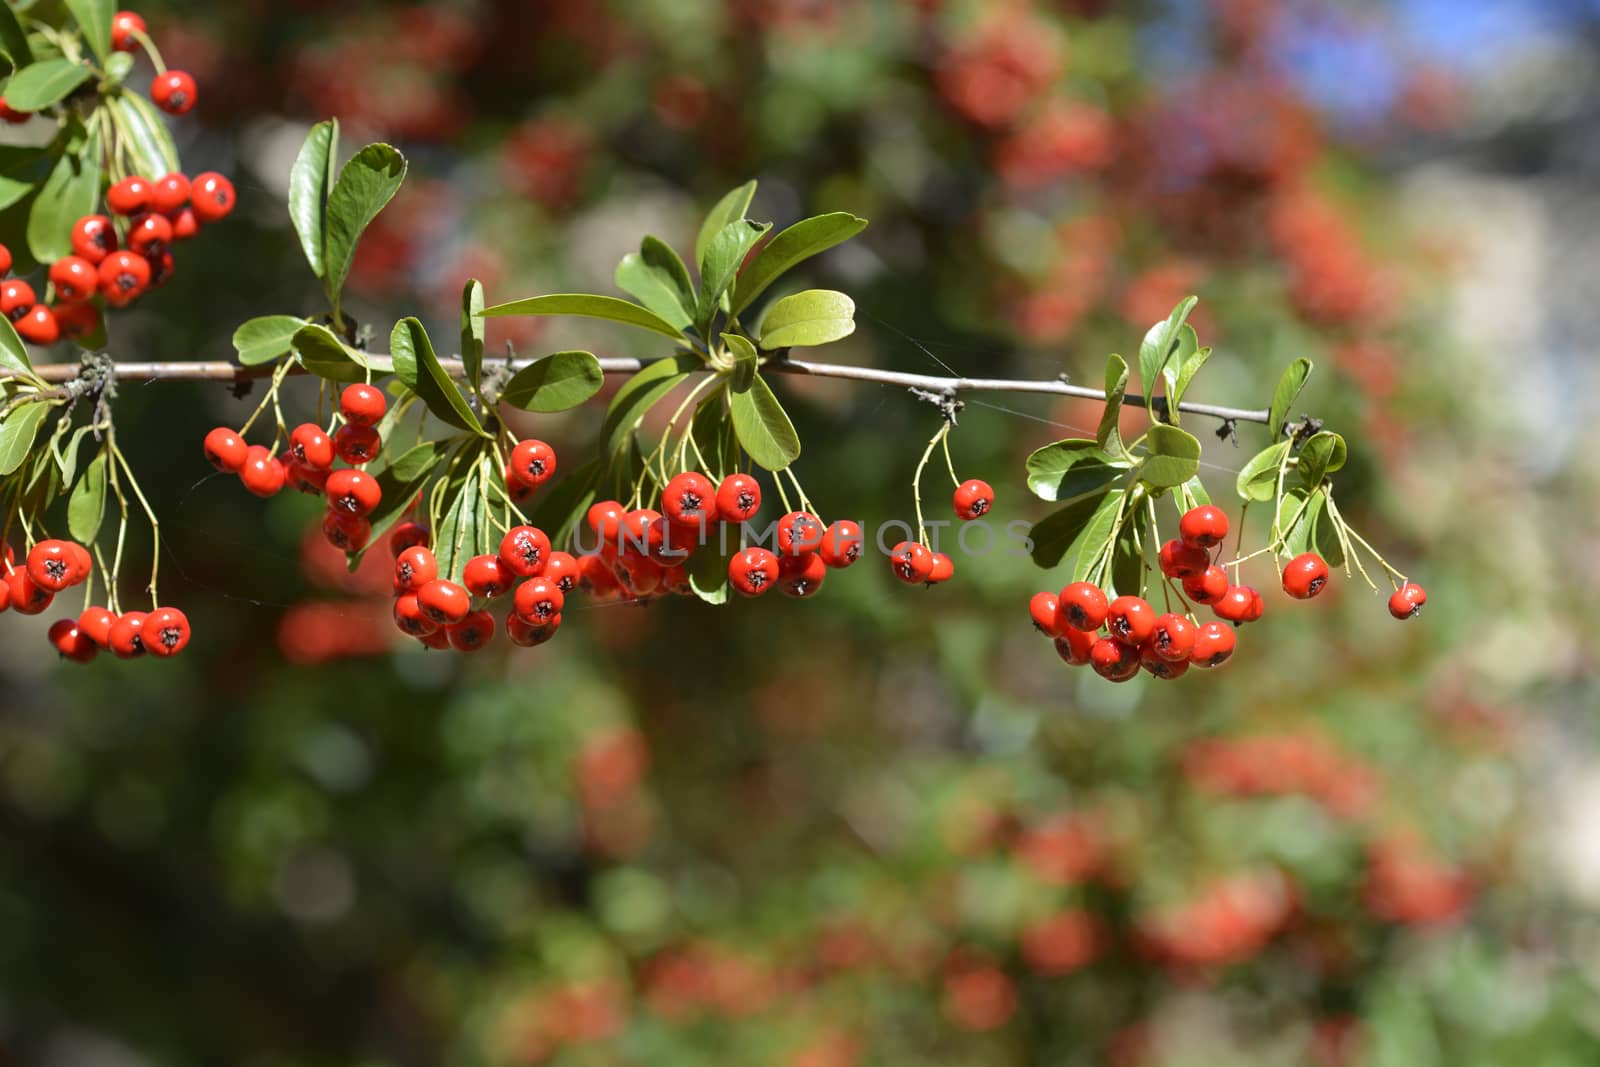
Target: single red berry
pixel 532 463
pixel 1074 646
pixel 408 616
pixel 185 224
pixel 1114 660
pixel 1160 666
pixel 675 580
pixel 169 193
pixel 165 632
pixel 1407 601
pixel 944 569
pixel 5 260
pixel 124 25
pixel 1044 609
pixel 123 276
pixel 345 531
pixel 78 321
pixel 261 472
pixel 414 568
pixel 407 535
pixel 562 568
pixel 537 601
pixel 1208 586
pixel 486 576
pixel 472 632
pixel 605 519
pixel 5 595
pixel 1257 606
pixel 639 575
pixel 641 533
pixel 443 601
pixel 527 634
pixel 12 115
pixel 911 562
pixel 753 571
pixel 1305 576
pixel 799 532
pixel 1173 638
pixel 1235 605
pixel 126 639
pixel 16 298
pixel 362 404
pixel 27 596
pixel 311 481
pixel 72 642
pixel 174 92
pixel 162 266
pixel 39 326
pixel 801 576
pixel 95 623
pixel 973 499
pixel 670 542
pixel 94 238
pixel 525 550
pixel 357 445
pixel 1084 606
pixel 1213 644
pixel 54 566
pixel 1203 527
pixel 439 639
pixel 82 561
pixel 1131 619
pixel 595 575
pixel 353 492
pixel 309 446
pixel 690 500
pixel 1179 560
pixel 211 195
pixel 129 196
pixel 738 498
pixel 150 235
pixel 74 278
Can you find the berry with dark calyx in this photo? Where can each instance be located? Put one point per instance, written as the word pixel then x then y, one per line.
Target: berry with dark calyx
pixel 95 623
pixel 605 519
pixel 525 550
pixel 1114 660
pixel 1208 586
pixel 1179 560
pixel 362 404
pixel 1131 619
pixel 311 481
pixel 1083 605
pixel 1203 527
pixel 1161 666
pixel 407 535
pixel 408 616
pixel 596 576
pixel 641 535
pixel 75 279
pixel 801 576
pixel 1044 609
pixel 690 499
pixel 1407 601
pixel 443 601
pixel 944 569
pixel 1074 646
pixel 16 298
pixel 1173 638
pixel 753 571
pixel 39 326
pixel 353 492
pixel 169 193
pixel 1235 605
pixel 310 447
pixel 528 635
pixel 842 543
pixel 174 92
pixel 165 632
pixel 414 568
pixel 69 640
pixel 973 499
pixel 78 321
pixel 123 276
pixel 562 568
pixel 345 531
pixel 94 238
pixel 911 562
pixel 27 596
pixel 799 532
pixel 126 639
pixel 54 566
pixel 1305 576
pixel 438 640
pixel 537 601
pixel 532 463
pixel 738 498
pixel 150 235
pixel 129 196
pixel 212 197
pixel 185 224
pixel 124 26
pixel 640 575
pixel 226 450
pixel 162 267
pixel 472 632
pixel 262 474
pixel 486 576
pixel 670 542
pixel 1213 644
pixel 357 445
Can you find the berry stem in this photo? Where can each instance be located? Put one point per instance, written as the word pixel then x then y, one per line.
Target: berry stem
pixel 949 464
pixel 916 479
pixel 149 513
pixel 150 49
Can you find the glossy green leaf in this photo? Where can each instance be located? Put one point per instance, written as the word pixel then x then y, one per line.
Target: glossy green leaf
pixel 1095 534
pixel 730 208
pixel 1068 469
pixel 70 192
pixel 763 427
pixel 712 429
pixel 657 278
pixel 17 433
pixel 13 39
pixel 557 382
pixel 745 361
pixel 1288 391
pixel 1321 455
pixel 13 190
pixel 791 247
pixel 13 353
pixel 327 357
pixel 311 180
pixel 264 339
pixel 1190 367
pixel 708 567
pixel 812 317
pixel 1174 457
pixel 1298 535
pixel 94 19
pixel 366 184
pixel 416 364
pixel 1197 490
pixel 456 539
pixel 719 264
pixel 1058 533
pixel 639 394
pixel 144 134
pixel 1325 534
pixel 1109 435
pixel 399 484
pixel 1128 566
pixel 472 332
pixel 86 508
pixel 1258 479
pixel 417 462
pixel 1159 344
pixel 588 305
pixel 46 82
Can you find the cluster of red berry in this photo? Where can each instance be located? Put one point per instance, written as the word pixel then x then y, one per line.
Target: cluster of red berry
pixel 53 566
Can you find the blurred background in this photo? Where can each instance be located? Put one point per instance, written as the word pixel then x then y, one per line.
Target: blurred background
pixel 883 826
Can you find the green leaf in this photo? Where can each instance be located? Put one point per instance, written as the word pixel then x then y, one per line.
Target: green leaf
pixel 588 305
pixel 1319 457
pixel 415 464
pixel 763 427
pixel 472 332
pixel 1063 530
pixel 12 38
pixel 1109 434
pixel 1095 533
pixel 87 505
pixel 367 183
pixel 144 134
pixel 793 246
pixel 720 263
pixel 1197 490
pixel 416 364
pixel 1283 398
pixel 1174 457
pixel 639 394
pixel 1158 346
pixel 13 190
pixel 17 433
pixel 745 361
pixel 13 353
pixel 708 567
pixel 399 484
pixel 1258 479
pixel 456 539
pixel 712 429
pixel 559 509
pixel 264 339
pixel 324 355
pixel 71 192
pixel 730 208
pixel 1324 534
pixel 94 18
pixel 310 181
pixel 555 383
pixel 1297 537
pixel 46 82
pixel 1127 562
pixel 1186 372
pixel 812 317
pixel 657 278
pixel 1069 469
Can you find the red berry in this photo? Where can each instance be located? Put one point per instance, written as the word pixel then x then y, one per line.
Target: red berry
pixel 71 641
pixel 407 535
pixel 74 278
pixel 439 639
pixel 362 405
pixel 5 259
pixel 486 576
pixel 78 321
pixel 443 601
pixel 1213 644
pixel 1203 527
pixel 605 519
pixel 39 326
pixel 738 498
pixel 472 632
pixel 1179 560
pixel 1115 660
pixel 356 445
pixel 753 571
pixel 537 601
pixel 1044 609
pixel 165 632
pixel 96 624
pixel 597 577
pixel 211 195
pixel 690 500
pixel 1131 619
pixel 94 238
pixel 1407 601
pixel 5 595
pixel 353 492
pixel 973 498
pixel 124 24
pixel 675 580
pixel 347 532
pixel 27 596
pixel 1236 604
pixel 911 562
pixel 1173 638
pixel 532 463
pixel 640 533
pixel 562 568
pixel 311 481
pixel 123 276
pixel 525 550
pixel 1257 606
pixel 1208 586
pixel 799 532
pixel 414 568
pixel 174 92
pixel 671 542
pixel 841 544
pixel 149 235
pixel 1073 646
pixel 409 618
pixel 126 638
pixel 12 115
pixel 801 576
pixel 169 193
pixel 1160 666
pixel 16 298
pixel 129 196
pixel 638 574
pixel 527 634
pixel 54 566
pixel 944 569
pixel 261 472
pixel 185 224
pixel 310 447
pixel 1305 576
pixel 1084 606
pixel 84 563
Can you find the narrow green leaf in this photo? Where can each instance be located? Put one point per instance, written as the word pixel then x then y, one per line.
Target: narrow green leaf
pixel 1297 538
pixel 557 382
pixel 1197 490
pixel 87 505
pixel 94 19
pixel 12 38
pixel 310 181
pixel 1186 372
pixel 13 353
pixel 730 208
pixel 763 427
pixel 745 360
pixel 46 82
pixel 1319 457
pixel 472 332
pixel 1258 479
pixel 719 264
pixel 713 435
pixel 1288 391
pixel 708 567
pixel 1069 469
pixel 793 246
pixel 1324 534
pixel 1059 533
pixel 657 278
pixel 1095 534
pixel 416 463
pixel 1159 343
pixel 144 134
pixel 67 457
pixel 366 184
pixel 71 192
pixel 1127 563
pixel 1174 457
pixel 588 305
pixel 13 190
pixel 416 364
pixel 327 357
pixel 1109 434
pixel 639 394
pixel 812 317
pixel 17 433
pixel 456 539
pixel 264 339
